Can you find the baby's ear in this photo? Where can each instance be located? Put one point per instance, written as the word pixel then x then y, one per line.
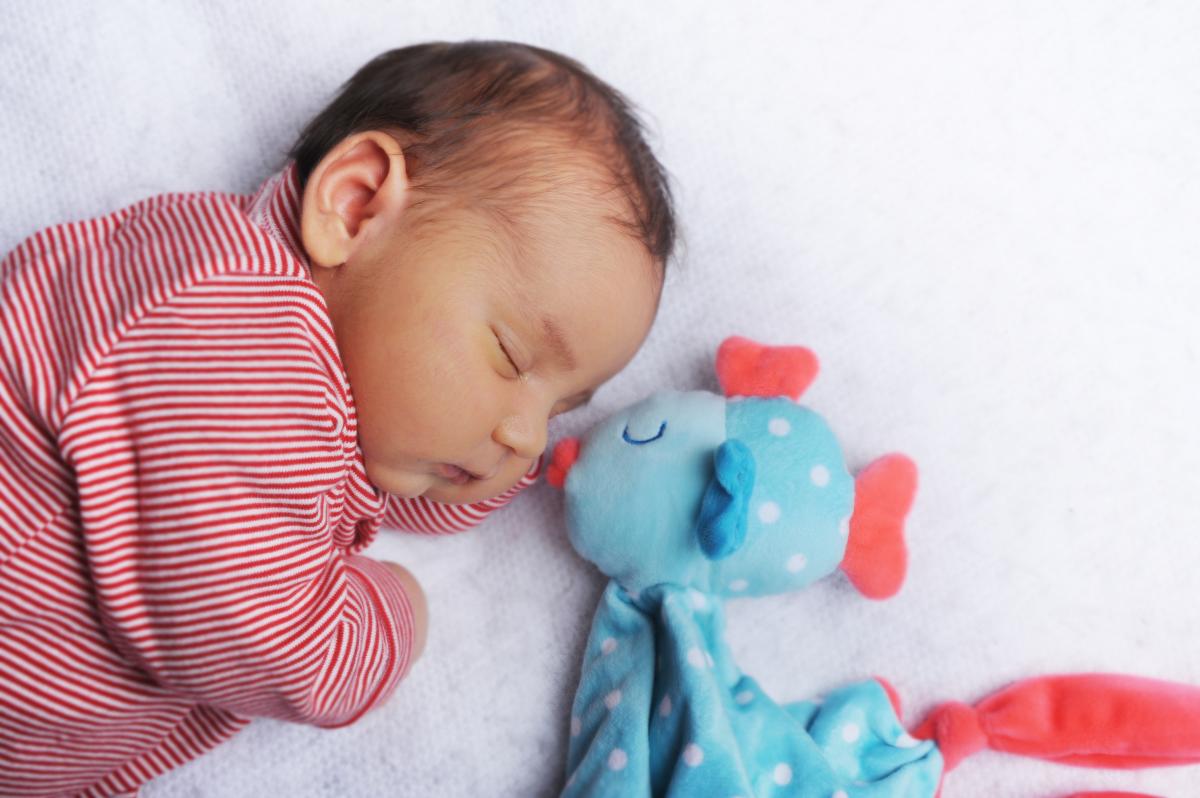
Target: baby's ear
pixel 721 525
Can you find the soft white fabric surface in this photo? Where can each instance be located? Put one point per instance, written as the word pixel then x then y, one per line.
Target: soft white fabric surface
pixel 982 218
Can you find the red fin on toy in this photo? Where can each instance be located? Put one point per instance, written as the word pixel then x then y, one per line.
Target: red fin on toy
pixel 746 368
pixel 876 557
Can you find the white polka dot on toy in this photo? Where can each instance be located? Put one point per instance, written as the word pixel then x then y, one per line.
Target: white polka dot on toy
pixel 840 794
pixel 693 755
pixel 779 426
pixel 738 585
pixel 819 476
pixel 608 646
pixel 797 562
pixel 695 657
pixel 782 774
pixel 906 740
pixel 844 527
pixel 744 697
pixel 664 708
pixel 698 600
pixel 768 512
pixel 618 759
pixel 612 699
pixel 576 726
pixel 851 732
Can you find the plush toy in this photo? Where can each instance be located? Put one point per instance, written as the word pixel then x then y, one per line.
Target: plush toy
pixel 688 498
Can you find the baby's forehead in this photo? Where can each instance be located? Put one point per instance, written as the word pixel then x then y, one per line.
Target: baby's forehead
pixel 559 217
pixel 552 230
pixel 572 260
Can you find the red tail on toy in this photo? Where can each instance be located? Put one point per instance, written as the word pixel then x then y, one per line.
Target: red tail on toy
pixel 1091 720
pixel 1111 795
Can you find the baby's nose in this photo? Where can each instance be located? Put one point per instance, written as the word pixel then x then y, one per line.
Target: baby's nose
pixel 524 433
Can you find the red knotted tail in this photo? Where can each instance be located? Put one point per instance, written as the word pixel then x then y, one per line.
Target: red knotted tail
pixel 1112 795
pixel 1091 720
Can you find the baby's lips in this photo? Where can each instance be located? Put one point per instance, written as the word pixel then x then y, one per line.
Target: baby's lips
pixel 566 452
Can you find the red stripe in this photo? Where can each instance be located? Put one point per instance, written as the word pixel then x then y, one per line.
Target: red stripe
pixel 182 496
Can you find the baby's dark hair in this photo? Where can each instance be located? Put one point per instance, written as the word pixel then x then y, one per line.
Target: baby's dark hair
pixel 465 112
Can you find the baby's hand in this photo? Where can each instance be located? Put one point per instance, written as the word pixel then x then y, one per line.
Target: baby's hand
pixel 416 597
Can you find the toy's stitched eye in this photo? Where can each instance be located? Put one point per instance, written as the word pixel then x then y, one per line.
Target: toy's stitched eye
pixel 636 441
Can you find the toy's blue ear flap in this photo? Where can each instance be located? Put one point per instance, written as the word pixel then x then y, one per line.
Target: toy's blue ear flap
pixel 721 525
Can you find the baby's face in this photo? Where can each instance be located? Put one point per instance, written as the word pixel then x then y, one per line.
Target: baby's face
pixel 461 342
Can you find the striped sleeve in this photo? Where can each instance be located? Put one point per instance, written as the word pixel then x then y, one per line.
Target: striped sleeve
pixel 435 518
pixel 206 449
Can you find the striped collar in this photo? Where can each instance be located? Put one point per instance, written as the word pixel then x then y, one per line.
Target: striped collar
pixel 275 207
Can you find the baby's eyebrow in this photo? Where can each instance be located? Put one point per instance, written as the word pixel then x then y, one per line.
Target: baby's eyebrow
pixel 557 344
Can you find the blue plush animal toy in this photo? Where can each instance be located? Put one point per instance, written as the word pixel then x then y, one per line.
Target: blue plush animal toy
pixel 687 498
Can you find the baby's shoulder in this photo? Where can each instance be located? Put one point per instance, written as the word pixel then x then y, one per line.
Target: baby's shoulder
pixel 166 239
pixel 170 260
pixel 144 254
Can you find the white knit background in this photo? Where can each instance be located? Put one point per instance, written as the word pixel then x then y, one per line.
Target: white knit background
pixel 982 217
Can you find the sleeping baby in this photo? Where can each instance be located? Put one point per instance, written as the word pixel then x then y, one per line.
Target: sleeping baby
pixel 210 403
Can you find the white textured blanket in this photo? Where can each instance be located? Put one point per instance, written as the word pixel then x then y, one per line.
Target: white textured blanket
pixel 982 217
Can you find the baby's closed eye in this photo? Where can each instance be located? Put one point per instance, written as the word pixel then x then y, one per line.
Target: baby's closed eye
pixel 508 356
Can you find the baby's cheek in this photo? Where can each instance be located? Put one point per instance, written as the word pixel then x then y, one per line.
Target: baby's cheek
pixel 446 402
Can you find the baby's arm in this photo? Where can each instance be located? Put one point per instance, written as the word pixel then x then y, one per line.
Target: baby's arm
pixel 204 514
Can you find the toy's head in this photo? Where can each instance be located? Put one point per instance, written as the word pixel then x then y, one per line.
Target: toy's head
pixel 741 494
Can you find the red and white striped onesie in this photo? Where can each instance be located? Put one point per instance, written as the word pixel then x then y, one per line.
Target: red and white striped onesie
pixel 182 496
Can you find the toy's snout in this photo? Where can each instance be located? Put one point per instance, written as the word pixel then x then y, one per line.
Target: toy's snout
pixel 566 452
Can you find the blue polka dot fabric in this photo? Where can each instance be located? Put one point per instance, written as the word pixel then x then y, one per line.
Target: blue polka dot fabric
pixel 662 710
pixel 685 499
